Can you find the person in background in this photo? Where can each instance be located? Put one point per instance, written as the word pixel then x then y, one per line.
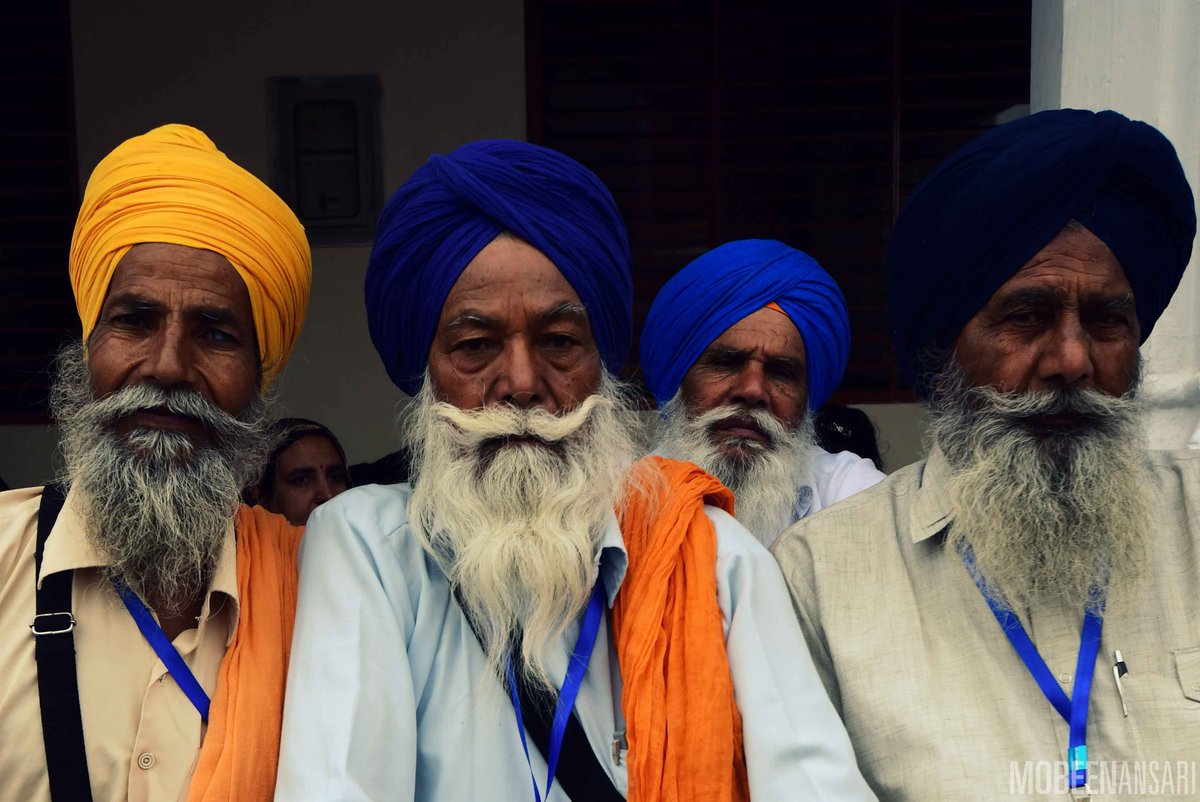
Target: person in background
pixel 740 347
pixel 306 469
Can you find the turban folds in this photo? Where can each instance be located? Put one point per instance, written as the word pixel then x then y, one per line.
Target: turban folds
pixel 455 205
pixel 721 287
pixel 998 200
pixel 172 185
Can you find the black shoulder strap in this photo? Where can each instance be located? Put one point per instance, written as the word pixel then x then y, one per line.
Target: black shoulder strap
pixel 579 772
pixel 58 686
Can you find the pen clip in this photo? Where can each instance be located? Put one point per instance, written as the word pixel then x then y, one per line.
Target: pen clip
pixel 1120 670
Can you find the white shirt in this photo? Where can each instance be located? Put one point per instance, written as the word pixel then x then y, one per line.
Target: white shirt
pixel 833 477
pixel 388 698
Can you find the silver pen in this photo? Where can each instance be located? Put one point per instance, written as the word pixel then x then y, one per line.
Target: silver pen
pixel 1120 670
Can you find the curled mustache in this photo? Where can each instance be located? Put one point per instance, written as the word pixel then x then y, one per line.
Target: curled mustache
pixel 477 428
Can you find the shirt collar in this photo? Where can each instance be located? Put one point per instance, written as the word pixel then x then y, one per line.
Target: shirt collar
pixel 68 548
pixel 930 511
pixel 611 558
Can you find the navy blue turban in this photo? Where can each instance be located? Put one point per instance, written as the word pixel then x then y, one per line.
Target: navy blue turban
pixel 996 201
pixel 731 282
pixel 454 205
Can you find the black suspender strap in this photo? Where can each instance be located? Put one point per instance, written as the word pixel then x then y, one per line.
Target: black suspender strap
pixel 58 685
pixel 579 772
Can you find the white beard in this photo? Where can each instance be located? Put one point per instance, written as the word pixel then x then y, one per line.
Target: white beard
pixel 514 525
pixel 1048 516
pixel 764 482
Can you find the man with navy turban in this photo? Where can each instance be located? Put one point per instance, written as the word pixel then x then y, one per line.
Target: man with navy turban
pixel 537 613
pixel 739 348
pixel 1017 614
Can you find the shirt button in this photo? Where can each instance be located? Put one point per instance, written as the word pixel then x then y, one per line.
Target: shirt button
pixel 145 760
pixel 1196 686
pixel 1064 677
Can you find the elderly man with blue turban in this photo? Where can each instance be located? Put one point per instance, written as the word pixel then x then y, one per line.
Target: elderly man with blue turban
pixel 536 616
pixel 740 347
pixel 1017 614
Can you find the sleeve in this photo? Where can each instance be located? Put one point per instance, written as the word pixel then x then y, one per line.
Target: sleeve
pixel 795 562
pixel 349 725
pixel 796 746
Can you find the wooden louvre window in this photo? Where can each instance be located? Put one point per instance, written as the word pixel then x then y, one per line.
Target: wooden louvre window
pixel 804 122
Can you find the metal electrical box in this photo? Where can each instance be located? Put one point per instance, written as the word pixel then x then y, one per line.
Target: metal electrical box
pixel 326 160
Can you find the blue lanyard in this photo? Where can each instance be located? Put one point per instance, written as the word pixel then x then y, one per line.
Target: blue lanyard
pixel 1074 710
pixel 576 668
pixel 163 647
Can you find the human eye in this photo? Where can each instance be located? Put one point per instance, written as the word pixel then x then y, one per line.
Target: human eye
pixel 129 320
pixel 472 345
pixel 559 340
pixel 222 336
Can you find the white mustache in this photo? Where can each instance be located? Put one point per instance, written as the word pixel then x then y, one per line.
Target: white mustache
pixel 479 426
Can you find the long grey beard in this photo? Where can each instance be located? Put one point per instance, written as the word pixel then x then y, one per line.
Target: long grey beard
pixel 514 525
pixel 155 506
pixel 765 482
pixel 1048 516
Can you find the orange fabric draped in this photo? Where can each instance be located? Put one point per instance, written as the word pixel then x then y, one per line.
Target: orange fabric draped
pixel 241 748
pixel 682 723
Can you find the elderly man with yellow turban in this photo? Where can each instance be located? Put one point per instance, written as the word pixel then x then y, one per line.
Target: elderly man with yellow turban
pixel 160 609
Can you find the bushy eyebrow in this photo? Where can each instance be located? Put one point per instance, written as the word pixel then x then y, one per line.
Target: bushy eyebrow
pixel 567 310
pixel 724 352
pixel 471 319
pixel 136 303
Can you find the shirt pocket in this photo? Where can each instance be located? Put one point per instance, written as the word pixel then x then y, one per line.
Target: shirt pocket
pixel 1187 666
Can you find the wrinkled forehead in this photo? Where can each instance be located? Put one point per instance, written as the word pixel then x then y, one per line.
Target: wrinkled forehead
pixel 1073 267
pixel 509 284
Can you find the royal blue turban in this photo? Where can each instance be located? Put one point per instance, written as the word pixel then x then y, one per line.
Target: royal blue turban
pixel 994 203
pixel 454 205
pixel 725 285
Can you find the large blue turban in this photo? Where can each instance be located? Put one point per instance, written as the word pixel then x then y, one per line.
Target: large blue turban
pixel 728 283
pixel 996 201
pixel 454 205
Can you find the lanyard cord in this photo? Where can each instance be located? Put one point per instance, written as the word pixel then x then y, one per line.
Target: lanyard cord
pixel 1074 710
pixel 163 647
pixel 576 668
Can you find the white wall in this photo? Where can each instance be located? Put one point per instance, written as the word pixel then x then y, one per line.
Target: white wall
pixel 1141 58
pixel 451 72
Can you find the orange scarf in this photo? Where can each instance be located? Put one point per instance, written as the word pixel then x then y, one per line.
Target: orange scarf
pixel 683 725
pixel 241 748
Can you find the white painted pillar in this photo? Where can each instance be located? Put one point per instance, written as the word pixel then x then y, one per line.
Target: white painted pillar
pixel 1141 58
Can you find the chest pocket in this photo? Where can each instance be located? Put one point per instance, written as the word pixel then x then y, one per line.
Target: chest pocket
pixel 1187 666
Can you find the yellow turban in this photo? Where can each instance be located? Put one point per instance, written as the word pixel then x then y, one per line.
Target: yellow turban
pixel 172 185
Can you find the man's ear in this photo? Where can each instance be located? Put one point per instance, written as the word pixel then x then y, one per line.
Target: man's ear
pixel 253 495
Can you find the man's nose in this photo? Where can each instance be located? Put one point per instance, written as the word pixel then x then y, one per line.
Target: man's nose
pixel 169 362
pixel 1066 358
pixel 519 380
pixel 750 387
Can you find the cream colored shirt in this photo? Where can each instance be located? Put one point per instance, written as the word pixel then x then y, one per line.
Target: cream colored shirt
pixel 141 733
pixel 938 704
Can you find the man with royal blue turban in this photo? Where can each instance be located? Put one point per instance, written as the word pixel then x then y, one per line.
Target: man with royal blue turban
pixel 513 613
pixel 739 348
pixel 1032 582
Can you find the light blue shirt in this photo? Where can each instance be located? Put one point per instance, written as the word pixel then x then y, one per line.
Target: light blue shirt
pixel 388 697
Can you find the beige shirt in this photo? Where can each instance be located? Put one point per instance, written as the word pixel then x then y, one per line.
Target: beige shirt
pixel 141 733
pixel 937 702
